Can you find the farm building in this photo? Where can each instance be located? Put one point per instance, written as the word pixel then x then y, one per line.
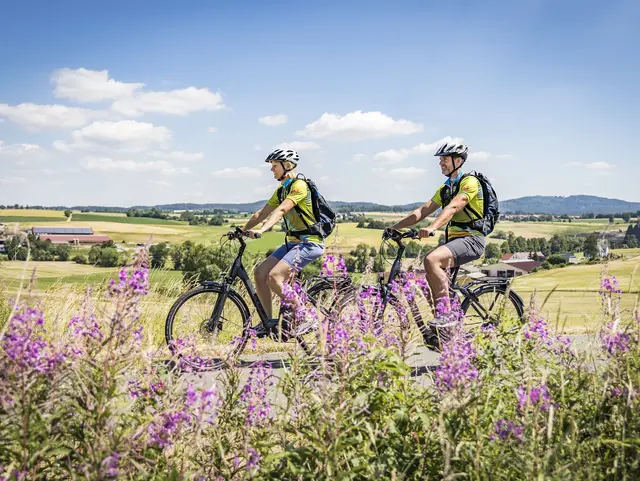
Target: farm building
pixel 69 235
pixel 513 269
pixel 523 256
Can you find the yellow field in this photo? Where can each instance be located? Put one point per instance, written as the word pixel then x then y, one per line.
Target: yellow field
pixel 574 298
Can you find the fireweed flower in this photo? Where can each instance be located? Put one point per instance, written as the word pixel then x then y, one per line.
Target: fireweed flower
pixel 456 371
pixel 614 341
pixel 22 347
pixel 109 466
pixel 505 430
pixel 296 299
pixel 537 396
pixel 331 267
pixel 610 285
pixel 255 395
pixel 536 329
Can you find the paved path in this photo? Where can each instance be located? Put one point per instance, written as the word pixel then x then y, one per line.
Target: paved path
pixel 423 363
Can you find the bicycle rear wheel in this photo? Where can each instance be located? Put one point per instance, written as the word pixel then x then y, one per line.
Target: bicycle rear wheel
pixel 208 328
pixel 491 304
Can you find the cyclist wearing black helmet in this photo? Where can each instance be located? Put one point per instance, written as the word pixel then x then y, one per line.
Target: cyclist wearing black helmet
pixel 461 200
pixel 298 250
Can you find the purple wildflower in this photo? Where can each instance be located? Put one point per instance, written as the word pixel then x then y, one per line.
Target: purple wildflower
pixel 109 466
pixel 23 347
pixel 614 341
pixel 610 285
pixel 165 426
pixel 449 310
pixel 536 396
pixel 536 329
pixel 255 395
pixel 506 430
pixel 456 371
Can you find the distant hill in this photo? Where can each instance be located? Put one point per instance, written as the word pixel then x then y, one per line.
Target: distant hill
pixel 539 204
pixel 571 205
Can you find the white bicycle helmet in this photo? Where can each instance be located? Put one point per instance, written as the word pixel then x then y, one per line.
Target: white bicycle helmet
pixel 454 150
pixel 283 155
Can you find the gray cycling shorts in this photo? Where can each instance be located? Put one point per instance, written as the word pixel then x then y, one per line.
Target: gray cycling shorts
pixel 466 249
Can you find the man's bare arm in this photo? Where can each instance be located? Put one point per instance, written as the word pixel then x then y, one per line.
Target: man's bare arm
pixel 456 205
pixel 417 215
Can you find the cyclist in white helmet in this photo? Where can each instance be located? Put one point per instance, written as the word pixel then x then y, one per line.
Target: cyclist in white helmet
pixel 291 203
pixel 461 200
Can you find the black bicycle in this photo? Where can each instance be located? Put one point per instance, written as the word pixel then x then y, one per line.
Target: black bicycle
pixel 483 301
pixel 211 323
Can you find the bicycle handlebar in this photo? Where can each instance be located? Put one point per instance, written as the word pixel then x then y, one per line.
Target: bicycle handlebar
pixel 396 235
pixel 238 234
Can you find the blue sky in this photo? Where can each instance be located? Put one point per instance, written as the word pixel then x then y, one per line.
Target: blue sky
pixel 124 103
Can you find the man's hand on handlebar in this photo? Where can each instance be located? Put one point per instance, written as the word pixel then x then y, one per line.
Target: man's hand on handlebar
pixel 427 232
pixel 238 232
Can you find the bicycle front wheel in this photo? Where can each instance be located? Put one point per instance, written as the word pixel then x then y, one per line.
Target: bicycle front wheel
pixel 491 304
pixel 207 327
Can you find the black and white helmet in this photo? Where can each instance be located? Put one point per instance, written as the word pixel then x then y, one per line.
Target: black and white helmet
pixel 453 149
pixel 283 155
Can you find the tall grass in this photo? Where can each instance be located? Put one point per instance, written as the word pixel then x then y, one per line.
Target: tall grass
pixel 88 391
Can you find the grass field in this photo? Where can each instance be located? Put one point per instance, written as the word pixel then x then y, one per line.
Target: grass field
pixel 574 286
pixel 570 292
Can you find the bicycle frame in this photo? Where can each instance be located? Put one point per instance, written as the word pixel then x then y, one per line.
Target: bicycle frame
pixel 237 270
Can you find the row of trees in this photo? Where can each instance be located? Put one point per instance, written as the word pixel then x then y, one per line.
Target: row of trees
pixel 153 213
pixel 40 250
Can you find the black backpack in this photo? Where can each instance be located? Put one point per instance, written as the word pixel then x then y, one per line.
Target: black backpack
pixel 484 224
pixel 324 215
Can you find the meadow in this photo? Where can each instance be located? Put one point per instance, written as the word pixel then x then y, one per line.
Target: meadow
pixel 513 402
pixel 569 289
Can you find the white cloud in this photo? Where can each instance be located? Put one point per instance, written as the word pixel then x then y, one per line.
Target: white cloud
pixel 257 147
pixel 160 182
pixel 325 178
pixel 174 102
pixel 212 130
pixel 194 194
pixel 297 145
pixel 19 150
pixel 599 166
pixel 358 125
pixel 272 120
pixel 237 173
pixel 180 156
pixel 40 117
pixel 479 156
pixel 49 171
pixel 12 180
pixel 127 135
pixel 360 157
pixel 85 85
pixel 394 156
pixel 108 164
pixel 504 156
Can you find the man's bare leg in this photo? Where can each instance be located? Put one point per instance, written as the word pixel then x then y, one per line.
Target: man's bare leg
pixel 435 266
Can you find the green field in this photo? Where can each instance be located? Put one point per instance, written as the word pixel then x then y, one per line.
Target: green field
pixel 574 289
pixel 571 293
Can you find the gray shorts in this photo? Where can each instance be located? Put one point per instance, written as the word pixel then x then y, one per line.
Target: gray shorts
pixel 466 249
pixel 298 254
